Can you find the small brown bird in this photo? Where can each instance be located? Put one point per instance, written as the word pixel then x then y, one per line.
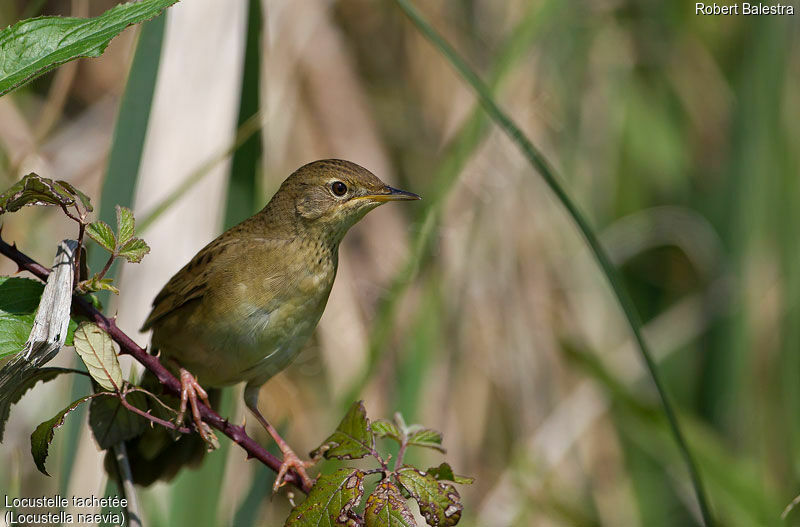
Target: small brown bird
pixel 244 306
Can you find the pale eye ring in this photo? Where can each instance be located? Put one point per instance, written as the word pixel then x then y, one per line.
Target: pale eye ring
pixel 338 188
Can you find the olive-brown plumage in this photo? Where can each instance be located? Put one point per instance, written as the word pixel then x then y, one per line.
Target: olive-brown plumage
pixel 243 307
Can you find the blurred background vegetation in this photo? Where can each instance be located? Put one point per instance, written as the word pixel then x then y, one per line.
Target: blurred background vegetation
pixel 480 311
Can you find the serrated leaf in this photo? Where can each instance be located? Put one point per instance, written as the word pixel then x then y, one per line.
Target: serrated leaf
pixel 33 190
pixel 331 501
pixel 382 428
pixel 126 225
pixel 19 299
pixel 12 393
pixel 44 433
pixel 386 507
pixel 427 438
pixel 439 502
pixel 96 349
pixel 352 438
pixel 101 232
pixel 34 46
pixel 111 422
pixel 444 471
pixel 134 250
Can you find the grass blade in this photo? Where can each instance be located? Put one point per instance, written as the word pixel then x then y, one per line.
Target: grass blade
pixel 129 133
pixel 540 163
pixel 241 201
pixel 121 175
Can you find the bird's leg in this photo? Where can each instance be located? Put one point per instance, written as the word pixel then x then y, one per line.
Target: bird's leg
pixel 290 459
pixel 190 392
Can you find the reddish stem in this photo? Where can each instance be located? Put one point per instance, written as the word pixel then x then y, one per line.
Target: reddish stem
pixel 164 376
pixel 79 255
pixel 151 417
pixel 106 267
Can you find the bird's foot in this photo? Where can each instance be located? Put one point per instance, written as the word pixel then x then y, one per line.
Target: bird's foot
pixel 191 391
pixel 292 461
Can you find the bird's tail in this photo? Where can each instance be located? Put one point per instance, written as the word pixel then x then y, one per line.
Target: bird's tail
pixel 158 454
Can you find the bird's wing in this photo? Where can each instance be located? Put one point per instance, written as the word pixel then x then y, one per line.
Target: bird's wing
pixel 190 283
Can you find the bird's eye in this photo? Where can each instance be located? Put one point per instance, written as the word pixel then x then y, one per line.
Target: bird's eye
pixel 339 188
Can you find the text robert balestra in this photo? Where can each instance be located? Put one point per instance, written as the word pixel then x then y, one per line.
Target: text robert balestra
pixel 744 8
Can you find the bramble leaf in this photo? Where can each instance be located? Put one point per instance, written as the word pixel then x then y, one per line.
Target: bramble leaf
pixel 125 225
pixel 96 349
pixel 444 472
pixel 11 395
pixel 84 199
pixel 35 190
pixel 134 250
pixel 44 433
pixel 101 232
pixel 383 428
pixel 19 299
pixel 35 46
pixel 427 438
pixel 331 501
pixel 386 507
pixel 111 422
pixel 352 438
pixel 96 283
pixel 439 502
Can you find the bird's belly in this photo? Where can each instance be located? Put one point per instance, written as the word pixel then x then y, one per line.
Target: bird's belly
pixel 251 345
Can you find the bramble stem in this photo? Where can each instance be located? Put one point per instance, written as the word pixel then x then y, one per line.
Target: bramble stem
pixel 79 254
pixel 400 454
pixel 151 417
pixel 106 267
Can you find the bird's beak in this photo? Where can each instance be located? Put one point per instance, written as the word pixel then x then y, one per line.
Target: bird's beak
pixel 392 194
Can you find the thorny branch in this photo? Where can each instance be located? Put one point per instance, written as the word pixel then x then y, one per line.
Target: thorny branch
pixel 164 376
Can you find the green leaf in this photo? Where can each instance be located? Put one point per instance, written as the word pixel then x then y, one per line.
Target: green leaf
pixel 331 501
pixel 83 198
pixel 383 428
pixel 96 349
pixel 386 507
pixel 245 168
pixel 134 250
pixel 352 438
pixel 111 422
pixel 126 225
pixel 427 438
pixel 12 393
pixel 32 47
pixel 439 502
pixel 35 190
pixel 444 471
pixel 19 299
pixel 96 283
pixel 43 435
pixel 101 232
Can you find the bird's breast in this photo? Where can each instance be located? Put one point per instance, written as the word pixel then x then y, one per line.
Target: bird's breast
pixel 271 319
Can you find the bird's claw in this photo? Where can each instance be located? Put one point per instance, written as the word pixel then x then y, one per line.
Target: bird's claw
pixel 292 461
pixel 191 391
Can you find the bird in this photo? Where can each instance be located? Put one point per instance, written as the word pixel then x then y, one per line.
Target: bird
pixel 243 307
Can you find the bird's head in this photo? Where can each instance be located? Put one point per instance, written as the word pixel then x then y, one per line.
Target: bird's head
pixel 333 194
